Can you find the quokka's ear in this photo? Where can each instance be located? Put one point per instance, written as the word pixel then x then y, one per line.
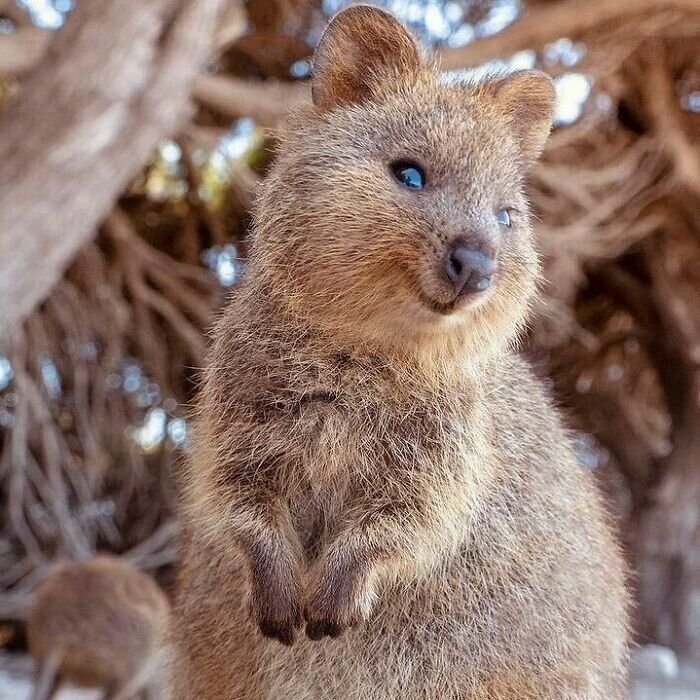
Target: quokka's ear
pixel 361 48
pixel 527 99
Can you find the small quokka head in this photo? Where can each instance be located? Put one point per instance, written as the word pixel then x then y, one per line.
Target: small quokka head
pixel 396 208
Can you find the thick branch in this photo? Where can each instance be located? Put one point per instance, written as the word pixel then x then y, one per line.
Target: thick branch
pixel 116 80
pixel 22 49
pixel 266 102
pixel 548 22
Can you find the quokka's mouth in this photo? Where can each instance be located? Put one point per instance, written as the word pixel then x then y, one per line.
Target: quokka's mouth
pixel 442 308
pixel 449 307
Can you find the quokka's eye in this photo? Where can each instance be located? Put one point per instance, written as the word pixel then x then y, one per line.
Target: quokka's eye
pixel 503 217
pixel 409 174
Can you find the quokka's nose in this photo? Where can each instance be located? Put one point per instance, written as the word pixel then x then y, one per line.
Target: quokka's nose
pixel 470 270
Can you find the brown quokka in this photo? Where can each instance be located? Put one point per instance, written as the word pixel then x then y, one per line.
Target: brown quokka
pixel 374 462
pixel 99 623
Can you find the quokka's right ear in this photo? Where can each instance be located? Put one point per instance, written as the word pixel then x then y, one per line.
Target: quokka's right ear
pixel 361 48
pixel 526 98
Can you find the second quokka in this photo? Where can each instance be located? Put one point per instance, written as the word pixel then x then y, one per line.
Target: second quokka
pixel 99 622
pixel 379 481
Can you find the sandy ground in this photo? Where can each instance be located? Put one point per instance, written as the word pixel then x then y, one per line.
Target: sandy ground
pixel 657 675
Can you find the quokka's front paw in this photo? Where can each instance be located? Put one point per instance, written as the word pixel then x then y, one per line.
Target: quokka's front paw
pixel 277 609
pixel 276 591
pixel 342 597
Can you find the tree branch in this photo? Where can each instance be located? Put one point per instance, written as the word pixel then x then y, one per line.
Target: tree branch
pixel 266 102
pixel 22 50
pixel 545 23
pixel 664 107
pixel 117 79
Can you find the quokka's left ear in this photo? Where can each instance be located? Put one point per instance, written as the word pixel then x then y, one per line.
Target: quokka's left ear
pixel 361 48
pixel 527 100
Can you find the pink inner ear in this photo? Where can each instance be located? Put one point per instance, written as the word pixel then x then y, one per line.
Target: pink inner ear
pixel 361 47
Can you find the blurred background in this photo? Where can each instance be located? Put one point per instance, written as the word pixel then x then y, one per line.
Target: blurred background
pixel 133 135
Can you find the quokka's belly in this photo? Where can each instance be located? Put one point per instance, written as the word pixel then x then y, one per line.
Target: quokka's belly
pixel 386 658
pixel 403 652
pixel 400 660
pixel 422 643
pixel 475 630
pixel 439 643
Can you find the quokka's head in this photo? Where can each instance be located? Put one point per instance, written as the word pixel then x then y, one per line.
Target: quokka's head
pixel 395 211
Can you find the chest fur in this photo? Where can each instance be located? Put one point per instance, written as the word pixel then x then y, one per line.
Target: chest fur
pixel 359 452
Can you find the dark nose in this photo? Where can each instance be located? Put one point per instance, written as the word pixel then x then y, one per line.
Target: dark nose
pixel 470 270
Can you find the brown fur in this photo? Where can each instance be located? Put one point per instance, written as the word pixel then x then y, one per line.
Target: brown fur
pixel 101 623
pixel 373 460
